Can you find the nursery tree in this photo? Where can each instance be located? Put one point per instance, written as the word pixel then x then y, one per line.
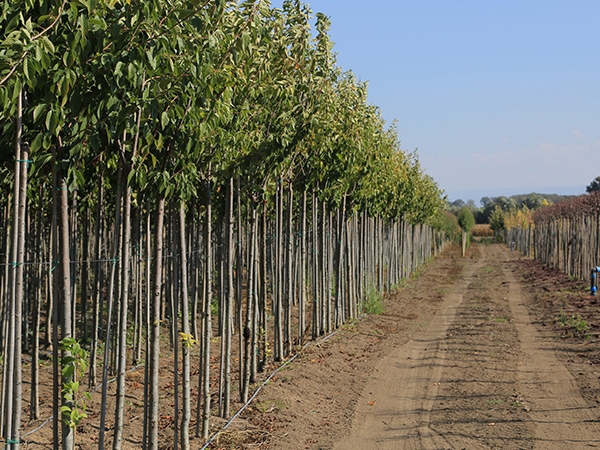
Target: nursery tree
pixel 466 220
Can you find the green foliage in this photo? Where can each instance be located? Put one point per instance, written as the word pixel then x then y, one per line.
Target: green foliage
pixel 532 201
pixel 162 90
pixel 74 365
pixel 594 186
pixel 466 220
pixel 575 325
pixel 187 340
pixel 447 222
pixel 497 219
pixel 373 301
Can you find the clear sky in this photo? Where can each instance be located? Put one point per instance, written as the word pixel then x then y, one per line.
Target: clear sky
pixel 499 96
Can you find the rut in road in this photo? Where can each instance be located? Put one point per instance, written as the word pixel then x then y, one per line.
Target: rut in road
pixel 479 376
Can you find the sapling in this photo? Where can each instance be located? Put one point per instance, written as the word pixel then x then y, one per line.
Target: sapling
pixel 74 363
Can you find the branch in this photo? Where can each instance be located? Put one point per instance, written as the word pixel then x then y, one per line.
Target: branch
pixel 37 36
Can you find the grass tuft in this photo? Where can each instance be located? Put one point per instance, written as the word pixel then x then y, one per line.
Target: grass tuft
pixel 373 303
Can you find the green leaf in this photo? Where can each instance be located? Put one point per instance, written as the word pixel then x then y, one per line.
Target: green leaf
pixel 48 45
pixel 38 110
pixel 118 69
pixel 26 69
pixel 164 119
pixel 36 144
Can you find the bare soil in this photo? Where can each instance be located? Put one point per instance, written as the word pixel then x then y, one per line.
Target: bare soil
pixel 491 351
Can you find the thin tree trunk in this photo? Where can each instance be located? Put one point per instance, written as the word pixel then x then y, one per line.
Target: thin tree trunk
pixel 109 319
pixel 278 267
pixel 68 433
pixel 250 309
pixel 10 351
pixel 154 356
pixel 187 339
pixel 263 289
pixel 228 307
pixel 18 373
pixel 123 307
pixel 302 275
pixel 96 288
pixel 238 284
pixel 54 290
pixel 206 316
pixel 147 310
pixel 124 278
pixel 34 399
pixel 174 296
pixel 315 267
pixel 13 373
pixel 289 255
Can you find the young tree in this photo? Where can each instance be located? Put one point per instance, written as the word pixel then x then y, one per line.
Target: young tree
pixel 466 220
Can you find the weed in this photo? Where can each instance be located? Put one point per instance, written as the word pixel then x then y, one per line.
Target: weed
pixel 351 326
pixel 270 405
pixel 501 319
pixel 576 325
pixel 373 303
pixel 400 284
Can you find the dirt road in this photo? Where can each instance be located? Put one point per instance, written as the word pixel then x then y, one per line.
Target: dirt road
pixel 492 351
pixel 480 376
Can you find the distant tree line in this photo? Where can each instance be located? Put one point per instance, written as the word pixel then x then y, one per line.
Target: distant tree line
pixel 496 210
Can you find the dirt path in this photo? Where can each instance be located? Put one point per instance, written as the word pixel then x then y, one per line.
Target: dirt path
pixel 480 376
pixel 492 351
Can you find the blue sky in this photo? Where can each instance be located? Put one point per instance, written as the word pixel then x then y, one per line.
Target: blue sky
pixel 499 96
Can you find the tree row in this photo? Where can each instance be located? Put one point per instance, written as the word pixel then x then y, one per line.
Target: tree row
pixel 176 172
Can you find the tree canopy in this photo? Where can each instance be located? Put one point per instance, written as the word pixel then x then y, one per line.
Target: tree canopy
pixel 244 86
pixel 594 186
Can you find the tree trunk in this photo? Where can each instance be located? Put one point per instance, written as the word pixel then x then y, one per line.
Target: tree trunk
pixel 302 275
pixel 278 268
pixel 187 339
pixel 97 287
pixel 154 356
pixel 34 412
pixel 64 249
pixel 228 306
pixel 111 295
pixel 287 278
pixel 206 316
pixel 123 308
pixel 315 267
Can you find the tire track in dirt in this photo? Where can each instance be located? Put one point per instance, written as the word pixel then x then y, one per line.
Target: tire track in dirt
pixel 479 377
pixel 562 418
pixel 394 409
